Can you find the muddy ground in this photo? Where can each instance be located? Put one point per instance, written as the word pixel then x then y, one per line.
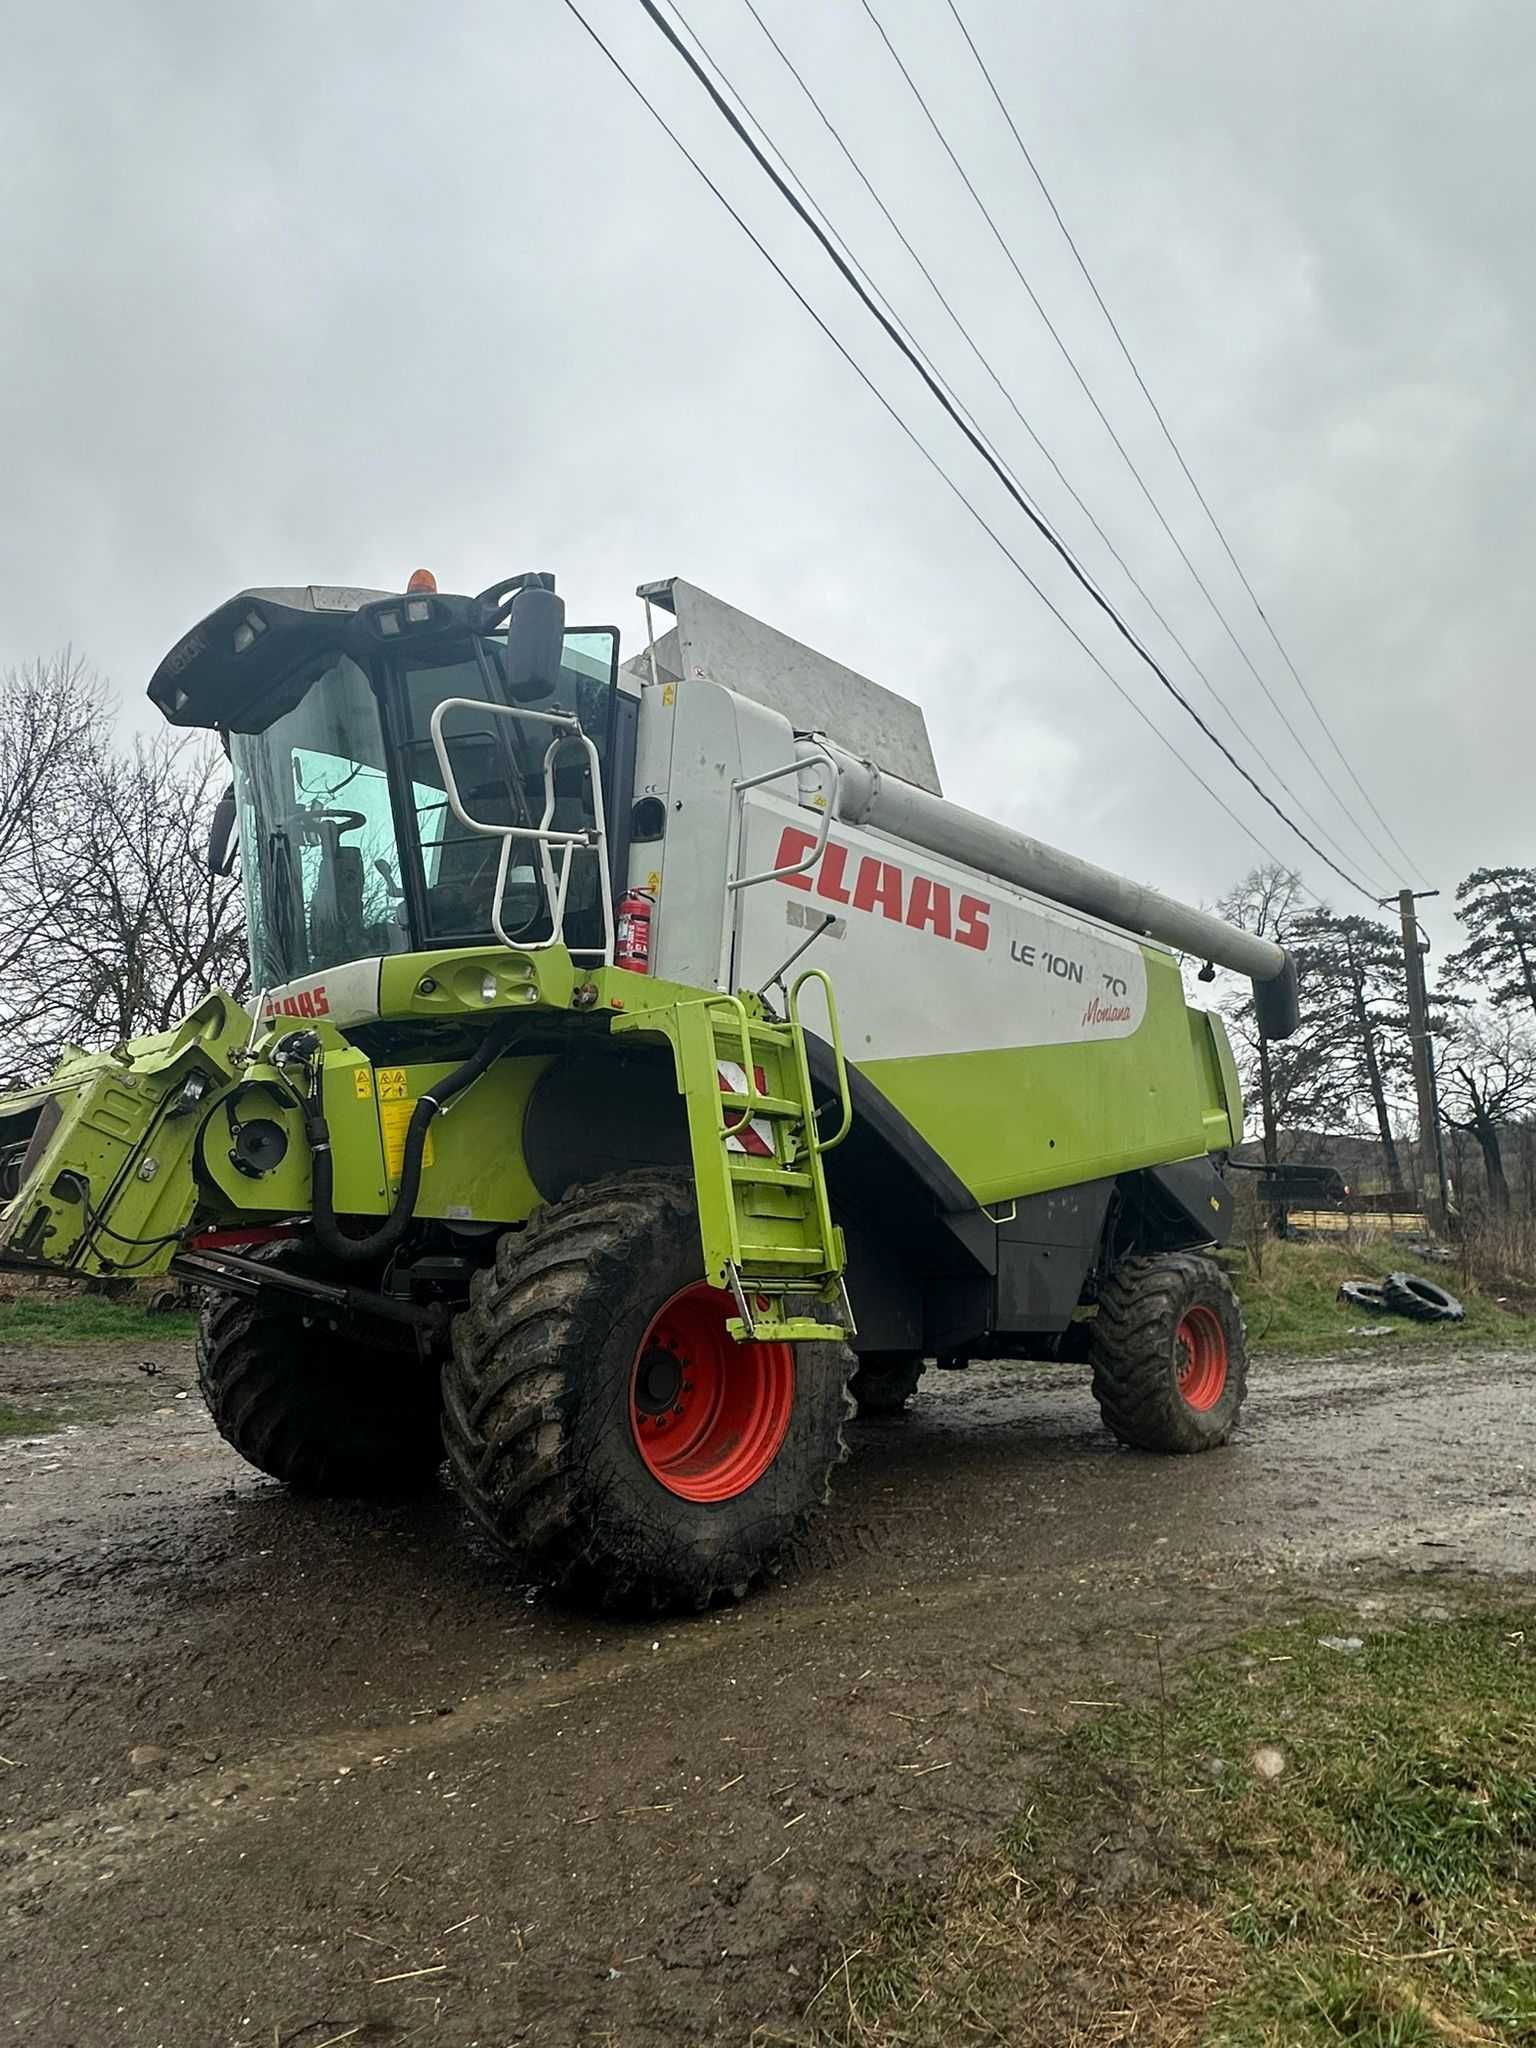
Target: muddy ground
pixel 280 1773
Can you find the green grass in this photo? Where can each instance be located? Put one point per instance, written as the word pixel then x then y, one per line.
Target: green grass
pixel 1290 1300
pixel 60 1322
pixel 1381 1891
pixel 23 1422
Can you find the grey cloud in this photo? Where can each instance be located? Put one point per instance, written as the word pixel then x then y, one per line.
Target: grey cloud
pixel 297 292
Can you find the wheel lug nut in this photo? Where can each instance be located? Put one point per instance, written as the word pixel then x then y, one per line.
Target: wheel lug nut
pixel 677 1411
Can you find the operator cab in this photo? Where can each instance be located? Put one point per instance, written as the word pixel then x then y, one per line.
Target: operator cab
pixel 350 846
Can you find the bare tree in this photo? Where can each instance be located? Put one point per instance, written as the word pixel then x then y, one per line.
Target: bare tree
pixel 52 725
pixel 150 930
pixel 110 924
pixel 1296 1081
pixel 1488 1085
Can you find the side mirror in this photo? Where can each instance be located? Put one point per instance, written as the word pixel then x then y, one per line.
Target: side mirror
pixel 223 835
pixel 535 643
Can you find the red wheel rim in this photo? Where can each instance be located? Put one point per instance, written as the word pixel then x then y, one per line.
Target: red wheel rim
pixel 708 1414
pixel 1202 1357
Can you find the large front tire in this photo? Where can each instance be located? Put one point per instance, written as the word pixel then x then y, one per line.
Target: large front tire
pixel 603 1427
pixel 1170 1365
pixel 305 1403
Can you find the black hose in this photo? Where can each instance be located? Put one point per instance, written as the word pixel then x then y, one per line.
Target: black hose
pixel 332 1239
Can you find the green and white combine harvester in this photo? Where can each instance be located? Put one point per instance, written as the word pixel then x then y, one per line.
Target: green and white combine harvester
pixel 644 1059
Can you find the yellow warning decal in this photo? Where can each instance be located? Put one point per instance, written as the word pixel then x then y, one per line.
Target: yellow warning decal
pixel 394 1122
pixel 391 1084
pixel 362 1083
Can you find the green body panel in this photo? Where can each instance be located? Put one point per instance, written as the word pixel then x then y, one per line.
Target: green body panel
pixel 1025 1119
pixel 115 1177
pixel 1223 1113
pixel 122 1129
pixel 148 1161
pixel 473 1170
pixel 453 984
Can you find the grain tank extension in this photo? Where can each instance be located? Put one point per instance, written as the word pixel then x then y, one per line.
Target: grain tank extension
pixel 643 1057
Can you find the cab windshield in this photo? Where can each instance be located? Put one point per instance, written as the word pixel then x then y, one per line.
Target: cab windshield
pixel 348 846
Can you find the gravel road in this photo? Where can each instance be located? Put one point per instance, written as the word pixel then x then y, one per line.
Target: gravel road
pixel 275 1772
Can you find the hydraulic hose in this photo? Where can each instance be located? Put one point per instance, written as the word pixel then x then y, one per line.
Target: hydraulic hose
pixel 332 1239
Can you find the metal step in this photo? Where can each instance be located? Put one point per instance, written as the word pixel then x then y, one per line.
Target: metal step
pixel 743 1168
pixel 764 1105
pixel 728 1035
pixel 813 1257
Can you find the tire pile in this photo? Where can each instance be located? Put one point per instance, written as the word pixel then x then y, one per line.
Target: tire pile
pixel 1404 1294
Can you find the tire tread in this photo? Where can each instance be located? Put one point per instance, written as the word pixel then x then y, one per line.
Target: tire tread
pixel 547 1305
pixel 1132 1351
pixel 270 1402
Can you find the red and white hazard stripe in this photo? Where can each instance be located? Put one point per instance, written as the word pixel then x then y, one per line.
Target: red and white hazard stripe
pixel 755 1136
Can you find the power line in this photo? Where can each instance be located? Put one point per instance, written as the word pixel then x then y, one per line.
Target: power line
pixel 1167 432
pixel 955 398
pixel 986 364
pixel 1121 449
pixel 928 456
pixel 1168 436
pixel 831 228
pixel 975 439
pixel 1036 519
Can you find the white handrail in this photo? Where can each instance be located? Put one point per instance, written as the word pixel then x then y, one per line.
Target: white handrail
pixel 823 822
pixel 735 884
pixel 568 730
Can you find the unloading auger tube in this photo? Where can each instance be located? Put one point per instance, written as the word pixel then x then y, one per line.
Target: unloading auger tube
pixel 863 794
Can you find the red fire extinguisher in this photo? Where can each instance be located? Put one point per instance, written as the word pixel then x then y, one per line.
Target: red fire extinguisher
pixel 632 931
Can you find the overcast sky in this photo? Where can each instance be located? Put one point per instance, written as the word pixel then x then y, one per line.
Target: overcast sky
pixel 322 292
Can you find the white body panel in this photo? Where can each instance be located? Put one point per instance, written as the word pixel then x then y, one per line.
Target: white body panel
pixel 867 794
pixel 695 739
pixel 886 777
pixel 343 995
pixel 927 956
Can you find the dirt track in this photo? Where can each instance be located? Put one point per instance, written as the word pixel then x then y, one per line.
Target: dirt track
pixel 389 1791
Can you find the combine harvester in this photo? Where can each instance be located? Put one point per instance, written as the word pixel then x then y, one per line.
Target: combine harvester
pixel 644 1057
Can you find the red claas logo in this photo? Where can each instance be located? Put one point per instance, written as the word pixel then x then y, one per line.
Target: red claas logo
pixel 880 885
pixel 308 1002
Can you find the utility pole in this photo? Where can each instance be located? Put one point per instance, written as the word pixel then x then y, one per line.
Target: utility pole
pixel 1431 1152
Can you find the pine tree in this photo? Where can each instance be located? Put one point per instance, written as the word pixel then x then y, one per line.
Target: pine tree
pixel 1498 908
pixel 1351 974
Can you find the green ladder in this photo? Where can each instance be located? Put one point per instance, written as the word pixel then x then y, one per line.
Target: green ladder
pixel 757 1148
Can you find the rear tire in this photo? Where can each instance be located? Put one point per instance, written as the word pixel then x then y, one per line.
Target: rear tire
pixel 306 1404
pixel 885 1381
pixel 603 1429
pixel 1170 1364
